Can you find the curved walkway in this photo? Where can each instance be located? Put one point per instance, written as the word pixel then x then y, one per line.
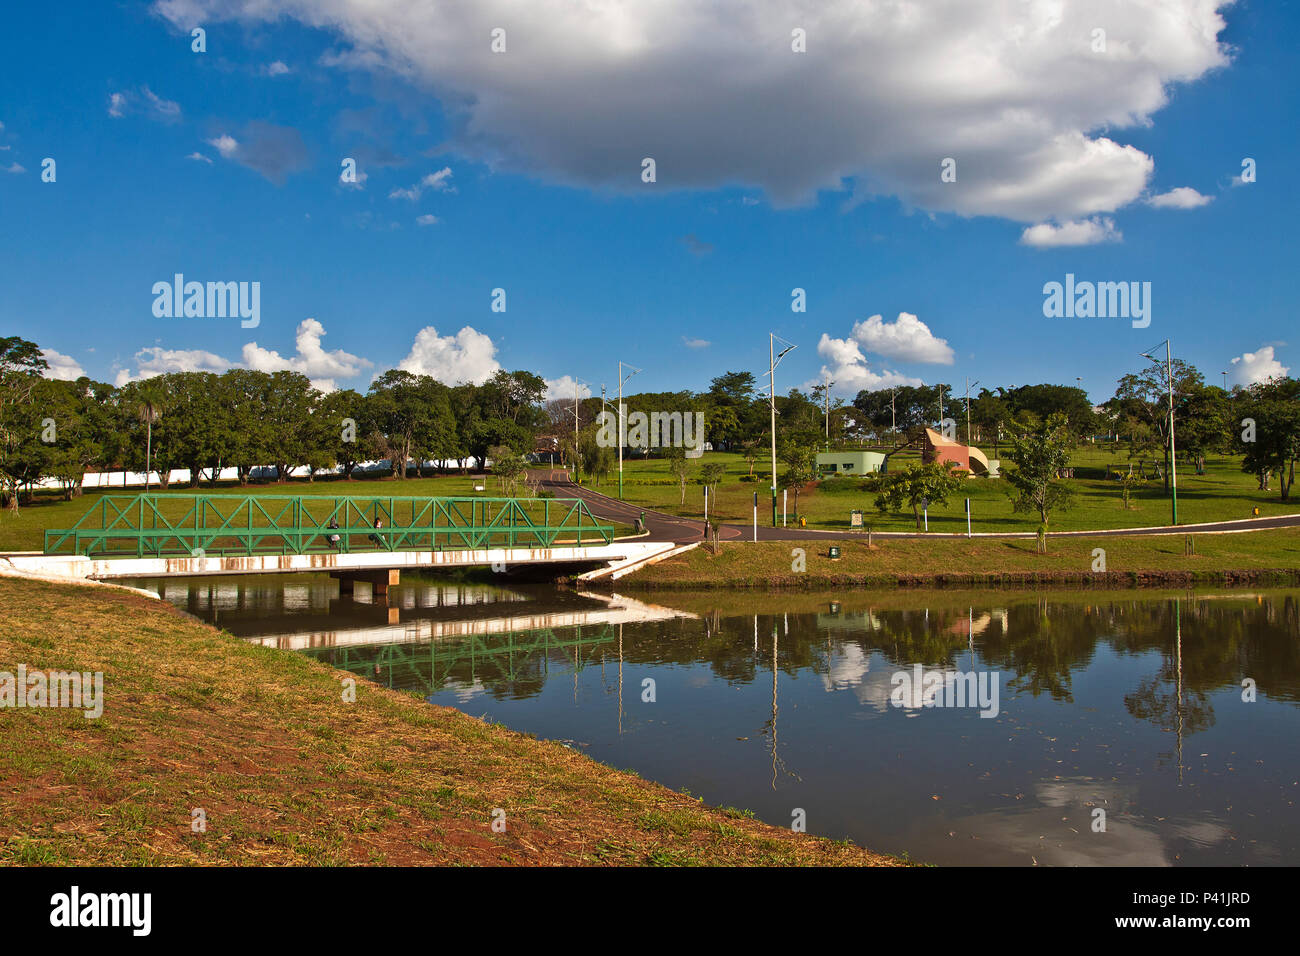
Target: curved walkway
pixel 666 527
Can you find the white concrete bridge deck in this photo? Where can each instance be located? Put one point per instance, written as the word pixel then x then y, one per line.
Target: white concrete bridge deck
pixel 615 557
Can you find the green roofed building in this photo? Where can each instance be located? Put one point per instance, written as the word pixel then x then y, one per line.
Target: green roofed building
pixel 850 462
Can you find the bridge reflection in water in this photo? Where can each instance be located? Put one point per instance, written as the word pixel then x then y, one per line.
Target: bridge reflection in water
pixel 426 636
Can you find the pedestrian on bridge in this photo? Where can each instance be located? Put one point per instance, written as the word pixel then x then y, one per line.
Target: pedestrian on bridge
pixel 379 543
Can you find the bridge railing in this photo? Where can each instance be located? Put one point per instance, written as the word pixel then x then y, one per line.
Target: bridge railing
pixel 211 525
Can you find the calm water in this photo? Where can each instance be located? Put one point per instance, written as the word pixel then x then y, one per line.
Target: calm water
pixel 1128 703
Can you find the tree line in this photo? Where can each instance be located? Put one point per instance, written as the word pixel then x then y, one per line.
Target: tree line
pixel 244 420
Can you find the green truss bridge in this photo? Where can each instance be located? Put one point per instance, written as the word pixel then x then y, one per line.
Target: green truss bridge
pixel 352 537
pixel 161 526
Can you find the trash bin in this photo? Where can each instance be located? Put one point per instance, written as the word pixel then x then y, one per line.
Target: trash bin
pixel 803 522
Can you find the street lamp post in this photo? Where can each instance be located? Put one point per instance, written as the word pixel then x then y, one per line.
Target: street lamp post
pixel 773 359
pixel 621 380
pixel 969 384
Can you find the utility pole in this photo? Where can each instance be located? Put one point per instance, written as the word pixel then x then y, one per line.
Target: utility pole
pixel 772 361
pixel 621 380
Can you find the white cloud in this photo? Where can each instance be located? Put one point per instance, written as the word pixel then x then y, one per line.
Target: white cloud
pixel 695 343
pixel 225 144
pixel 467 356
pixel 1184 197
pixel 426 220
pixel 278 68
pixel 62 367
pixel 199 157
pixel 439 182
pixel 906 339
pixel 847 368
pixel 1251 367
pixel 15 168
pixel 158 361
pixel 117 105
pixel 1010 89
pixel 310 359
pixel 562 388
pixel 165 109
pixel 1085 232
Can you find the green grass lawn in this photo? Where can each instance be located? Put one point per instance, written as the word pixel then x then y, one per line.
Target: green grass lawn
pixel 1270 557
pixel 1223 493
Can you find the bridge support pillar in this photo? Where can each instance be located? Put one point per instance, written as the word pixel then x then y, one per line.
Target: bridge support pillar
pixel 381 580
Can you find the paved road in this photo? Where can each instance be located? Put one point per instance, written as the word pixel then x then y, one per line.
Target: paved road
pixel 666 527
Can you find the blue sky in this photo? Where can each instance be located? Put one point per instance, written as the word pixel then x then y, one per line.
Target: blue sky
pixel 544 197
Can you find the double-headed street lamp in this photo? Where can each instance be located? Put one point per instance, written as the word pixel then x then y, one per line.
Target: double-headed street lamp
pixel 773 360
pixel 621 381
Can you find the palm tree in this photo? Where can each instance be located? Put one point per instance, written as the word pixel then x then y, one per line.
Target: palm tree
pixel 149 409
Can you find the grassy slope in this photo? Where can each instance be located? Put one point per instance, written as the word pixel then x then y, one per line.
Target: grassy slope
pixel 289 774
pixel 1129 560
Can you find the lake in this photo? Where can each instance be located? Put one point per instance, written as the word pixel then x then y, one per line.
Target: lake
pixel 1063 728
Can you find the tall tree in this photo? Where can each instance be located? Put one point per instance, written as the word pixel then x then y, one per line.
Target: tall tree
pixel 1038 454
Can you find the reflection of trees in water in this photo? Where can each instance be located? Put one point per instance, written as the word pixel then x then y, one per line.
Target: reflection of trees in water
pixel 1156 699
pixel 1035 641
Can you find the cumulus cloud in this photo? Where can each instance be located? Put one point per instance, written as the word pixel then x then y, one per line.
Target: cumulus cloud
pixel 1012 90
pixel 1086 232
pixel 426 220
pixel 906 339
pixel 310 358
pixel 562 389
pixel 117 105
pixel 439 182
pixel 156 360
pixel 1184 197
pixel 199 157
pixel 278 68
pixel 467 356
pixel 848 369
pixel 15 167
pixel 274 151
pixel 695 343
pixel 225 144
pixel 62 367
pixel 1251 367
